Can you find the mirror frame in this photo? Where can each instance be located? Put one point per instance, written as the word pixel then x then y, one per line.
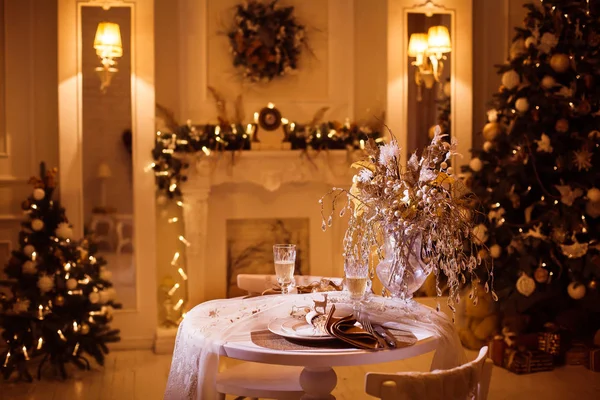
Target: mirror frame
pixel 461 73
pixel 138 325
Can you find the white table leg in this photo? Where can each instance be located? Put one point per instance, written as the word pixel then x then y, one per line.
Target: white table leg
pixel 318 383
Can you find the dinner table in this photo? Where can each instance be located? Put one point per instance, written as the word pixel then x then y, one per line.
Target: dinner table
pixel 238 328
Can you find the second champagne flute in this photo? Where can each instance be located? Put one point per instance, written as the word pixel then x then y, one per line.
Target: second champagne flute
pixel 357 281
pixel 284 256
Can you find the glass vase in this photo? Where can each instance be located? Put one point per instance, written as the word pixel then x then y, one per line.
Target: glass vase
pixel 402 277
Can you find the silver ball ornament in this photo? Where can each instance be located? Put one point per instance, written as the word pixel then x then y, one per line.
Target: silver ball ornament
pixel 511 79
pixel 39 194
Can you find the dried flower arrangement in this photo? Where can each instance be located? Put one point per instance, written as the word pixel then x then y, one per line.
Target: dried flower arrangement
pixel 417 218
pixel 266 40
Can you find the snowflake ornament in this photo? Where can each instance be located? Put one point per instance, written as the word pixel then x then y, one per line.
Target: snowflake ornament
pixel 582 159
pixel 544 144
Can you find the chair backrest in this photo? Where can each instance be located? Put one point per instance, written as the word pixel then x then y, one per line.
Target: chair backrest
pixel 469 381
pixel 257 283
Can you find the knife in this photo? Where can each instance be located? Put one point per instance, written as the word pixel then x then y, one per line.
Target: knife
pixel 384 335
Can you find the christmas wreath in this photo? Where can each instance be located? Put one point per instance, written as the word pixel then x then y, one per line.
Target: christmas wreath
pixel 266 40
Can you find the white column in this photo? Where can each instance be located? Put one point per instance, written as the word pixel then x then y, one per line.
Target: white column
pixel 195 213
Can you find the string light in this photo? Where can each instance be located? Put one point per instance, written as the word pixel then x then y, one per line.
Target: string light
pixel 175 258
pixel 271 105
pixel 6 359
pixel 206 150
pixel 520 230
pixel 178 305
pixel 555 201
pixel 542 198
pixel 40 343
pixel 60 334
pixel 184 241
pixel 149 167
pixel 182 273
pixel 76 349
pixel 172 187
pixel 173 289
pixel 292 126
pixel 285 121
pixel 362 144
pixel 34 206
pixel 217 131
pixel 173 220
pixel 331 133
pixel 496 205
pixel 168 151
pixel 25 353
pixel 75 327
pixel 33 256
pixel 179 203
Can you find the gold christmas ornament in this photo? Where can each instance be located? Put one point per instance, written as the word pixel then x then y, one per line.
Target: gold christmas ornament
pixel 593 284
pixel 560 63
pixel 60 300
pixel 496 251
pixel 593 195
pixel 37 224
pixel 548 82
pixel 29 268
pixel 541 275
pixel 525 285
pixel 85 329
pixel 28 250
pixel 491 130
pixel 522 104
pixel 562 125
pixel 487 146
pixel 476 164
pixel 576 290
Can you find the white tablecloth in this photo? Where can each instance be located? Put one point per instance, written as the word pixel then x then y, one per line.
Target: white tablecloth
pixel 209 326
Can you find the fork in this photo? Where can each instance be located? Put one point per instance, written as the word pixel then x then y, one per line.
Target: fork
pixel 366 324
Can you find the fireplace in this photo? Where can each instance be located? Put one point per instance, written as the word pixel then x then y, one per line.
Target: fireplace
pixel 247 195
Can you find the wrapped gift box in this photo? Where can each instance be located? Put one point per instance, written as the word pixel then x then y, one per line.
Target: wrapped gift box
pixel 594 360
pixel 578 354
pixel 552 341
pixel 498 347
pixel 528 361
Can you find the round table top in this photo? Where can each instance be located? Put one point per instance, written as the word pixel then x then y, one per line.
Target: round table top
pixel 249 351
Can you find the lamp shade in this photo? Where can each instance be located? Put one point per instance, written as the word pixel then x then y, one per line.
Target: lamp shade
pixel 438 40
pixel 108 40
pixel 417 45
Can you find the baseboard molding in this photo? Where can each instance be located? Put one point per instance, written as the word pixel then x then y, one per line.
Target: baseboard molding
pixel 141 343
pixel 164 341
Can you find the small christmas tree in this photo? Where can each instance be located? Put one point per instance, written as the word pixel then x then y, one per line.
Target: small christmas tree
pixel 537 173
pixel 60 298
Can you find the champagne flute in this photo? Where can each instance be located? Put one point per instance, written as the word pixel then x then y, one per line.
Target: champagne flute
pixel 284 256
pixel 357 281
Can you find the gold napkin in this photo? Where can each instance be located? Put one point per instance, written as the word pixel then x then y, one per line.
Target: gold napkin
pixel 310 288
pixel 345 329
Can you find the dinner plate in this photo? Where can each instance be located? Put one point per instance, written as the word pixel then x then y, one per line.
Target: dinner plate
pixel 293 328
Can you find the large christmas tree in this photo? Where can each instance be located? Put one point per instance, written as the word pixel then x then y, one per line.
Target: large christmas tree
pixel 57 298
pixel 538 175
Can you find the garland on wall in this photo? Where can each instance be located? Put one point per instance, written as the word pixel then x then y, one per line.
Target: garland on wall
pixel 169 164
pixel 266 40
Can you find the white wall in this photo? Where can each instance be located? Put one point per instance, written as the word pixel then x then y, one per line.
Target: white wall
pixel 29 121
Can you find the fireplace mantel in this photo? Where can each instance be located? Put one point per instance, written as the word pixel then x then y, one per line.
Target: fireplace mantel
pixel 269 170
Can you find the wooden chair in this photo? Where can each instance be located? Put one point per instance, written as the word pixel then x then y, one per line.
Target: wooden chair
pixel 469 381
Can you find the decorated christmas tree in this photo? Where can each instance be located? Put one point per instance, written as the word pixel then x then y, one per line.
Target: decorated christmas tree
pixel 537 174
pixel 57 299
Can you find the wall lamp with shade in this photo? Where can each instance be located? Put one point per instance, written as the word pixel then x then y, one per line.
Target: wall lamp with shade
pixel 428 50
pixel 108 47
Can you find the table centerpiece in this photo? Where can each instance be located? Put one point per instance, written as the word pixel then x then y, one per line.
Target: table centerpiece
pixel 416 218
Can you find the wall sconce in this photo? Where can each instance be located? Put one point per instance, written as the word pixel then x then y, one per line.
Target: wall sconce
pixel 428 50
pixel 108 47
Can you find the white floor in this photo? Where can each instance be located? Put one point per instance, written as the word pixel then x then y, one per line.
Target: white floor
pixel 142 375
